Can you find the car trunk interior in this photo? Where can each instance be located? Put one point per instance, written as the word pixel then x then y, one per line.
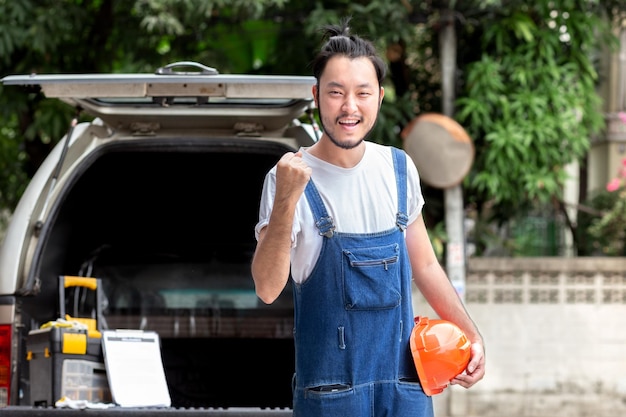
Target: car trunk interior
pixel 168 228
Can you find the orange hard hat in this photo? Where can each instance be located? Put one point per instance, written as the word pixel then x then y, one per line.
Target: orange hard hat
pixel 440 351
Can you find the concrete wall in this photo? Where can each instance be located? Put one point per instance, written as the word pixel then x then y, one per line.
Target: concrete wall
pixel 555 332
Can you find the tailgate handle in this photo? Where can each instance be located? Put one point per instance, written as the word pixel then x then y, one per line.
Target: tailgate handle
pixel 169 69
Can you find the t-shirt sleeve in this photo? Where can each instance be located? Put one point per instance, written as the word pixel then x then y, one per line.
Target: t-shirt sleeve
pixel 414 191
pixel 267 201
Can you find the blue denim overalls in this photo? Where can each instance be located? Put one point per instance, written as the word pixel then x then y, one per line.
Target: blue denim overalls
pixel 353 320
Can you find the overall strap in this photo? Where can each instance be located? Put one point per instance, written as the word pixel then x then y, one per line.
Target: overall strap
pixel 399 163
pixel 324 223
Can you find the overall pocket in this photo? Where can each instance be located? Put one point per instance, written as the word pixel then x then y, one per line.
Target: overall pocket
pixel 371 277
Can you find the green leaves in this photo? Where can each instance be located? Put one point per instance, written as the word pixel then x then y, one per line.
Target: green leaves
pixel 13 15
pixel 530 105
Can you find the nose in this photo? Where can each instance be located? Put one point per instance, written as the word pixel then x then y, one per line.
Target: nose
pixel 349 104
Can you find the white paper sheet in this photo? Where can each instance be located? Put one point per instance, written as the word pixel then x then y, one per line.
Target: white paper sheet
pixel 135 368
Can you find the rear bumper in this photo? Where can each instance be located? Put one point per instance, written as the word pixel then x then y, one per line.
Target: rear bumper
pixel 25 411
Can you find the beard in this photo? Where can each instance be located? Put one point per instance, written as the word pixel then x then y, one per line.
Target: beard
pixel 348 144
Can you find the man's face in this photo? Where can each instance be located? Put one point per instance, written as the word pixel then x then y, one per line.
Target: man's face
pixel 348 99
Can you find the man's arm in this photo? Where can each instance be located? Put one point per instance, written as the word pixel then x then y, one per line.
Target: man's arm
pixel 272 256
pixel 434 284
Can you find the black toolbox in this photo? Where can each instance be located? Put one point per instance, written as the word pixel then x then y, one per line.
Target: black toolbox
pixel 65 359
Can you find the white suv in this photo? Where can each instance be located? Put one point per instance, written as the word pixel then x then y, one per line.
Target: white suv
pixel 157 198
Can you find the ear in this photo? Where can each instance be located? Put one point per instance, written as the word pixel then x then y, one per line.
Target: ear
pixel 314 91
pixel 382 94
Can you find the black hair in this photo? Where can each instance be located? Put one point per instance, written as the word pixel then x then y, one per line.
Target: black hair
pixel 341 42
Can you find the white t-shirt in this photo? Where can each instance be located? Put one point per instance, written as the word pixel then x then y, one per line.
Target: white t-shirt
pixel 362 199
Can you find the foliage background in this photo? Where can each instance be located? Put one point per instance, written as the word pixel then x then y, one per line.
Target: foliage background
pixel 526 79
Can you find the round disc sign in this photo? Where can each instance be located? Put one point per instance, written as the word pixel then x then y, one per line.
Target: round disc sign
pixel 441 149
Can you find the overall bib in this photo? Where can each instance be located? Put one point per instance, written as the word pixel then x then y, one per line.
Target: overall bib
pixel 353 320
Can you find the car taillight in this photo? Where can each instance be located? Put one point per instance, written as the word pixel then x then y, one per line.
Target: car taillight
pixel 5 363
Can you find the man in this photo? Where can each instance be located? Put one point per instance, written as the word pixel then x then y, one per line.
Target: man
pixel 344 217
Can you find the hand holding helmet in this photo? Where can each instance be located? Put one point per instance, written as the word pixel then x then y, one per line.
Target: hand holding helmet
pixel 441 352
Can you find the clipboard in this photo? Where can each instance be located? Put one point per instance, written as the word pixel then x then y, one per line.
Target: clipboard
pixel 135 368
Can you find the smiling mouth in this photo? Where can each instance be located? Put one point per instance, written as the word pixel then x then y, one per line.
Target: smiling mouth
pixel 350 122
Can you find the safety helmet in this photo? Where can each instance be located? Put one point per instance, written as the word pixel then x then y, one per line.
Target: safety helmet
pixel 440 351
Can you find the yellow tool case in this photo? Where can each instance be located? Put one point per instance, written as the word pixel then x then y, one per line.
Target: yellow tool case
pixel 65 356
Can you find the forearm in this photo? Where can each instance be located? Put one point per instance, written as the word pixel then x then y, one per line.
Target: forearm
pixel 445 301
pixel 272 258
pixel 271 262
